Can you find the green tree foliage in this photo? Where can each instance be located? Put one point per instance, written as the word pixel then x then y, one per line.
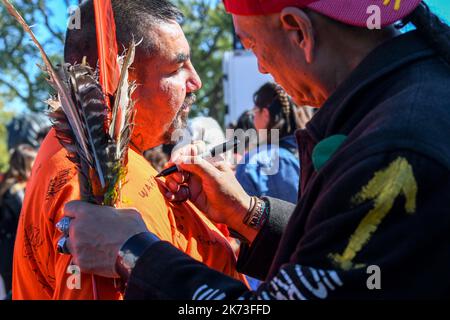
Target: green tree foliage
pixel 20 80
pixel 209 31
pixel 4 155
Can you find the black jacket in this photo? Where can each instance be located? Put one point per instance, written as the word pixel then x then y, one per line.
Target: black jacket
pixel 374 217
pixel 10 206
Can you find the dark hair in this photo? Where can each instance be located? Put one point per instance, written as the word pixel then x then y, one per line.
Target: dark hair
pixel 134 19
pixel 282 110
pixel 432 29
pixel 265 95
pixel 25 129
pixel 245 121
pixel 247 124
pixel 20 163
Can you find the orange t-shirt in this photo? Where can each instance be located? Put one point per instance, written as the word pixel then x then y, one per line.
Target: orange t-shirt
pixel 40 272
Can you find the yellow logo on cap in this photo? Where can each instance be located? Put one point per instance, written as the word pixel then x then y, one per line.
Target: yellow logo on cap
pixel 397 4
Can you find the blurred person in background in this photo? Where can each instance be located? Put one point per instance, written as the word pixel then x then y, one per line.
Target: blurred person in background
pixel 207 130
pixel 250 139
pixel 272 168
pixel 204 129
pixel 12 191
pixel 273 110
pixel 27 128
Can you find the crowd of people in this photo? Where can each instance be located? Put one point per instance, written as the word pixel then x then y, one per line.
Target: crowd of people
pixel 25 133
pixel 312 200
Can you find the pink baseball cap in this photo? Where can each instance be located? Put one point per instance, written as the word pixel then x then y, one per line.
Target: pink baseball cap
pixel 352 12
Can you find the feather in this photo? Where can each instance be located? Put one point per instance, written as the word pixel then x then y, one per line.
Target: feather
pixel 123 109
pixel 80 111
pixel 80 116
pixel 107 46
pixel 91 109
pixel 77 138
pixel 90 98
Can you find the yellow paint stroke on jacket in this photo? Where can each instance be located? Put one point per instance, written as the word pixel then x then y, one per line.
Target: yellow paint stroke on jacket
pixel 386 185
pixel 396 6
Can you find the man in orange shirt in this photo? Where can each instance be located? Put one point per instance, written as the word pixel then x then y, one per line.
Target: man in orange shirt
pixel 167 81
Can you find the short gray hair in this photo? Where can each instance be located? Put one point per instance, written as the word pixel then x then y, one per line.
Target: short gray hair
pixel 134 19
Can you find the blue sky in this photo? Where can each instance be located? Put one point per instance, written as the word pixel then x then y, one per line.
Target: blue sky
pixel 60 16
pixel 441 7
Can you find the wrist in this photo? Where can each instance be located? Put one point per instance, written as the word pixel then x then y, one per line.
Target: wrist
pixel 131 251
pixel 248 223
pixel 237 212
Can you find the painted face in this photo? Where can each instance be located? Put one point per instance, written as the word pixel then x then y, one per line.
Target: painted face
pixel 167 83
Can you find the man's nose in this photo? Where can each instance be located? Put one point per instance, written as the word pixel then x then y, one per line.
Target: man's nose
pixel 194 82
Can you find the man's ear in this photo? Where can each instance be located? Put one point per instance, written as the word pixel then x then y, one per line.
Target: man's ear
pixel 299 25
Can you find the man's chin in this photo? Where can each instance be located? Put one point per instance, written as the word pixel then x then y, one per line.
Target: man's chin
pixel 174 134
pixel 181 121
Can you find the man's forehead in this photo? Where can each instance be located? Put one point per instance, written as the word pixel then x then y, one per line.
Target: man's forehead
pixel 169 41
pixel 167 32
pixel 239 27
pixel 249 27
pixel 181 57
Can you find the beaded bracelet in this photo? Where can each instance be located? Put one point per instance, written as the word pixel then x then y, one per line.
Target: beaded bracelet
pixel 257 214
pixel 251 208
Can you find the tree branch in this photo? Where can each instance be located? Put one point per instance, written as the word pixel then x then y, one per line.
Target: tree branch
pixel 42 9
pixel 13 88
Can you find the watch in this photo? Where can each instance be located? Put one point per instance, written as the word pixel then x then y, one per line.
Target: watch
pixel 131 251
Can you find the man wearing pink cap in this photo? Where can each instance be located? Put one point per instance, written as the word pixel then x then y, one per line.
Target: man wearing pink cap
pixel 373 220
